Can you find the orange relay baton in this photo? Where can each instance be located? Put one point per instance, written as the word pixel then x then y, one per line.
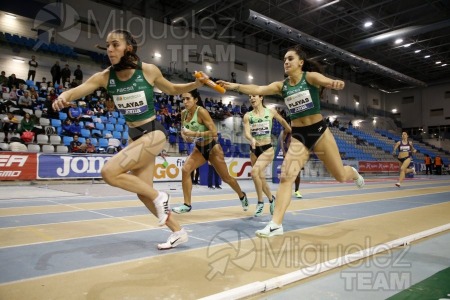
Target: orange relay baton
pixel 210 83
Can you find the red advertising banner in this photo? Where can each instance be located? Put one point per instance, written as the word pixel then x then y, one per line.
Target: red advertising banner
pixel 379 166
pixel 18 166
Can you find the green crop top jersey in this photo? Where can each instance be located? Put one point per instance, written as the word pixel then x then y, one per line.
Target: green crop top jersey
pixel 194 125
pixel 260 127
pixel 301 99
pixel 134 97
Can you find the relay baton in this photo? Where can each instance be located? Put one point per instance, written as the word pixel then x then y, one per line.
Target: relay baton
pixel 210 83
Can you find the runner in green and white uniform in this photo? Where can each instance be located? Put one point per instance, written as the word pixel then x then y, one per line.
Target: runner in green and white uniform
pixel 130 82
pixel 199 127
pixel 258 131
pixel 301 93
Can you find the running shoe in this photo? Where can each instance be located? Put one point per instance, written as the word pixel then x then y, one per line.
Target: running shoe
pixel 182 209
pixel 272 205
pixel 359 181
pixel 271 229
pixel 298 195
pixel 259 209
pixel 397 184
pixel 244 202
pixel 162 208
pixel 175 239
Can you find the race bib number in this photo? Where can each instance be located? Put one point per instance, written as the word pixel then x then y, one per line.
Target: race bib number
pixel 260 128
pixel 132 103
pixel 299 102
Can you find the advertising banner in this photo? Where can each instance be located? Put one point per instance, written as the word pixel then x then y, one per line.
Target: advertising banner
pixel 378 166
pixel 18 166
pixel 52 166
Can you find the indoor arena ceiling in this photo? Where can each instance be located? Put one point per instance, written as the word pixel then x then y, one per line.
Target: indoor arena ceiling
pixel 423 24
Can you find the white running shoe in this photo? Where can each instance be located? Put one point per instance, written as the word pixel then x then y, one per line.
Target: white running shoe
pixel 271 229
pixel 359 181
pixel 397 184
pixel 175 239
pixel 162 207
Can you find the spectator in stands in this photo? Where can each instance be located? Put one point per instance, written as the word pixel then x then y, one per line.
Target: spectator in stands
pixel 438 165
pixel 257 130
pixel 65 127
pixel 49 111
pixel 336 123
pixel 360 142
pixel 78 74
pixel 75 145
pixel 20 91
pixel 301 92
pixel 25 101
pixel 10 124
pixel 74 112
pixel 75 128
pixel 405 150
pixel 42 85
pixel 65 76
pixel 233 77
pixel 56 73
pixel 26 124
pixel 244 109
pixel 198 127
pixel 13 81
pixel 3 79
pixel 110 107
pixel 131 169
pixel 428 164
pixel 33 65
pixel 88 146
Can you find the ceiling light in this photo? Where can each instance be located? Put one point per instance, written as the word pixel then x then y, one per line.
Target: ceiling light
pixel 417 51
pixel 157 54
pixel 209 67
pixel 427 56
pixel 438 62
pixel 443 65
pixel 406 45
pixel 399 41
pixel 250 77
pixel 368 24
pixel 394 110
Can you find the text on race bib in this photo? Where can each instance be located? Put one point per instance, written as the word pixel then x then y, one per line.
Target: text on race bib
pixel 260 128
pixel 299 102
pixel 132 103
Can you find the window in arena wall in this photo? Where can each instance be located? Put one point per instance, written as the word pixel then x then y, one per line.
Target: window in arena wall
pixel 239 65
pixel 408 100
pixel 439 112
pixel 375 102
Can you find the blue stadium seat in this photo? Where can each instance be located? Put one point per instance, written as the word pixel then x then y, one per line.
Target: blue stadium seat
pixel 67 140
pixel 119 127
pixel 109 127
pixel 117 135
pixel 103 143
pixel 85 133
pixel 56 123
